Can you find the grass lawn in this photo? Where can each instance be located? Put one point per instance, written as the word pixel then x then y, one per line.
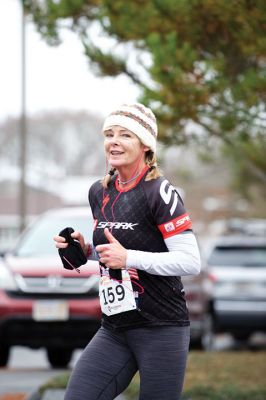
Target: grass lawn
pixel 221 376
pixel 213 376
pixel 226 376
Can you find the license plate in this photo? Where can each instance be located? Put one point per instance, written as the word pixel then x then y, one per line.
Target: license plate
pixel 244 288
pixel 45 310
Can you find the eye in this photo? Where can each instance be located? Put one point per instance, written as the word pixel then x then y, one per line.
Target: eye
pixel 108 134
pixel 126 134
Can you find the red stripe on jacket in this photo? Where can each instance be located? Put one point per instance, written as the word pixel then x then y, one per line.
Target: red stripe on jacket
pixel 175 226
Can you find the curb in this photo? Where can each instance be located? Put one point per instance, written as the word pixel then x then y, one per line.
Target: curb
pixel 48 394
pixel 36 395
pixel 56 394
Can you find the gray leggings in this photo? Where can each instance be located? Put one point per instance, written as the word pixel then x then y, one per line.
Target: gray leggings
pixel 111 359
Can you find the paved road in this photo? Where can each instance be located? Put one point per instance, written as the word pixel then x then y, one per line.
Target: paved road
pixel 27 369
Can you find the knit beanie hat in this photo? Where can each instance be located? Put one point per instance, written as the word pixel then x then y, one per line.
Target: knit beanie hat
pixel 136 118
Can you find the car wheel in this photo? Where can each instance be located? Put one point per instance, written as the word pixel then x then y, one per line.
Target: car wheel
pixel 58 357
pixel 241 337
pixel 4 355
pixel 208 333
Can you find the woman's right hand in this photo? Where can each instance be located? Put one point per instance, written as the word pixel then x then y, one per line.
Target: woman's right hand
pixel 60 241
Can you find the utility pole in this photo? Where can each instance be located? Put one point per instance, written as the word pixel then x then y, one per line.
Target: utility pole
pixel 23 126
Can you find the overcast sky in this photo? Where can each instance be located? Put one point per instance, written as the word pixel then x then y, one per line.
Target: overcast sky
pixel 57 77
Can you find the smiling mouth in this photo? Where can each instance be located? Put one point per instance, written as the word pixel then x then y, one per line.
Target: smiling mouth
pixel 116 153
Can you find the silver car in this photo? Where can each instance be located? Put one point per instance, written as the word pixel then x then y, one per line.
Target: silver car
pixel 236 268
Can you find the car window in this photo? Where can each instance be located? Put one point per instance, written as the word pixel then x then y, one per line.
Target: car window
pixel 39 238
pixel 238 256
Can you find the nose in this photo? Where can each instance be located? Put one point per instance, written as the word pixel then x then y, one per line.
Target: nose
pixel 115 139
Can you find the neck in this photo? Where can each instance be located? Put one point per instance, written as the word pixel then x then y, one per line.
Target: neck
pixel 127 177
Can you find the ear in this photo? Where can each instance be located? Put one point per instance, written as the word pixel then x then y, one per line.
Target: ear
pixel 145 148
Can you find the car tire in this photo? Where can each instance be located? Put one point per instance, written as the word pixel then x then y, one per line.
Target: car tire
pixel 4 355
pixel 208 333
pixel 241 337
pixel 59 357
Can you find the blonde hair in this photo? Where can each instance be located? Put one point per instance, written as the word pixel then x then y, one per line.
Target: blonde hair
pixel 150 160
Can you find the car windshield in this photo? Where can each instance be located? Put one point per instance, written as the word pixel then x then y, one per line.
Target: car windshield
pixel 38 240
pixel 238 256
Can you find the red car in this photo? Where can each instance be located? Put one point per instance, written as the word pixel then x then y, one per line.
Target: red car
pixel 41 303
pixel 44 305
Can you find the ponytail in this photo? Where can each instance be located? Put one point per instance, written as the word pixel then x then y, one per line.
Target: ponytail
pixel 106 180
pixel 154 171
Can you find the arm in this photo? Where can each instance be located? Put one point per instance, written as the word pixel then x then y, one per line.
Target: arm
pixel 183 257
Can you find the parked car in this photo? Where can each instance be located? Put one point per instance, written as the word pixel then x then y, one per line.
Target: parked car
pixel 197 296
pixel 44 305
pixel 41 303
pixel 249 226
pixel 236 267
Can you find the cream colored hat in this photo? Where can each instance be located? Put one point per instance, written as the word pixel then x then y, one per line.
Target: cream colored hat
pixel 138 119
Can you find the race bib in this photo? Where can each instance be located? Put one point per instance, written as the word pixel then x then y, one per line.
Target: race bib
pixel 116 296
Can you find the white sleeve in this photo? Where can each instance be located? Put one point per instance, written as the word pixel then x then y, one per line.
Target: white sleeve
pixel 183 257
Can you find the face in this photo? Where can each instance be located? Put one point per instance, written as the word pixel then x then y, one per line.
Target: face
pixel 122 147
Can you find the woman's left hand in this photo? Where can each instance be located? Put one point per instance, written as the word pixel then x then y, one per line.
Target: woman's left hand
pixel 113 254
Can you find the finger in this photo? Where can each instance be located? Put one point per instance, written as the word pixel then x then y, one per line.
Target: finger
pixel 78 236
pixel 109 236
pixel 104 254
pixel 102 247
pixel 61 245
pixel 59 239
pixel 104 260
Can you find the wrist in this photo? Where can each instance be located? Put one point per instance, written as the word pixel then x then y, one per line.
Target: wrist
pixel 87 250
